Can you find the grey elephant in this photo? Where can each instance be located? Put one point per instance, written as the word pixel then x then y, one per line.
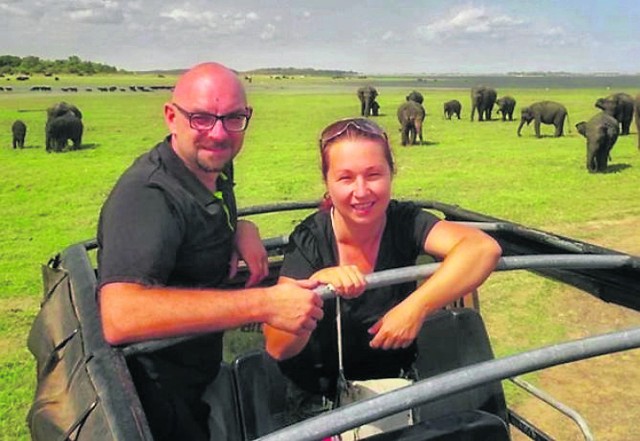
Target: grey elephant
pixel 375 108
pixel 451 108
pixel 637 112
pixel 367 95
pixel 506 106
pixel 620 106
pixel 483 99
pixel 61 129
pixel 411 116
pixel 602 133
pixel 61 109
pixel 415 96
pixel 19 131
pixel 544 112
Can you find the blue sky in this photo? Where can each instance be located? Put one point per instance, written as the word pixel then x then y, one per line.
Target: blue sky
pixel 369 36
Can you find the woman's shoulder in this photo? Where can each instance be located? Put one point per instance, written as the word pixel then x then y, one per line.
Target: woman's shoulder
pixel 312 229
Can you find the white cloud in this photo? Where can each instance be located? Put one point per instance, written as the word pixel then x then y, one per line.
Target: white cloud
pixel 197 20
pixel 389 36
pixel 470 21
pixel 12 8
pixel 107 15
pixel 268 32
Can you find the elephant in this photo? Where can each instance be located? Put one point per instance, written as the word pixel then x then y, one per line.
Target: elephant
pixel 63 108
pixel 367 95
pixel 375 108
pixel 415 96
pixel 411 115
pixel 602 133
pixel 19 131
pixel 60 129
pixel 506 105
pixel 637 112
pixel 620 106
pixel 545 112
pixel 451 108
pixel 482 98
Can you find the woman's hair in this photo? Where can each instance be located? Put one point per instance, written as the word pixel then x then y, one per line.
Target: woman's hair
pixel 351 129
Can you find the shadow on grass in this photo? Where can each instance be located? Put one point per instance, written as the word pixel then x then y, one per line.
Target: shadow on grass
pixel 27 147
pixel 617 168
pixel 418 144
pixel 71 149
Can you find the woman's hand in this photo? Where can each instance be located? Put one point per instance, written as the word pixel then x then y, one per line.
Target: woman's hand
pixel 347 280
pixel 398 328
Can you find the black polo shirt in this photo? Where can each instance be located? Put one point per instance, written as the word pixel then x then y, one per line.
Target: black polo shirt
pixel 160 226
pixel 312 246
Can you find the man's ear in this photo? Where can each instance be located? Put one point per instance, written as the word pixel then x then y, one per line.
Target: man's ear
pixel 169 116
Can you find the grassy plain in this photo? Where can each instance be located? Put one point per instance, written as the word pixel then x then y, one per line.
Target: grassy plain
pixel 49 201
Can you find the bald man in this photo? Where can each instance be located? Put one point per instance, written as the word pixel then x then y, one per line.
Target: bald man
pixel 168 236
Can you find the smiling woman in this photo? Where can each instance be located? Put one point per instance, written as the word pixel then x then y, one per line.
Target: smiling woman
pixel 361 230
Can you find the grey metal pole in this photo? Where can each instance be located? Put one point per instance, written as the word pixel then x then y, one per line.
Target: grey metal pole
pixel 454 381
pixel 411 273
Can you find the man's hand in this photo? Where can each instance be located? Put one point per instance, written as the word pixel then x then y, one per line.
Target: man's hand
pixel 248 246
pixel 294 307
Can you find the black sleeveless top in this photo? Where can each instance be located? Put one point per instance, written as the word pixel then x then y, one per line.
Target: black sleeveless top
pixel 312 246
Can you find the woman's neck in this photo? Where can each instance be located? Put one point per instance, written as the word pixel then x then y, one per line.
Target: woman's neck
pixel 357 244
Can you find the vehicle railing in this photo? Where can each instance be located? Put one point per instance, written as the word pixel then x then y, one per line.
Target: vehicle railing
pixel 417 272
pixel 457 380
pixel 555 404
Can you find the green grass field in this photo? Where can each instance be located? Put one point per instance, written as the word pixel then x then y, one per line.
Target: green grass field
pixel 49 201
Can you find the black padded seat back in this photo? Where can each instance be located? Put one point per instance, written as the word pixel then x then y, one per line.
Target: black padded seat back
pixel 224 418
pixel 261 390
pixel 451 339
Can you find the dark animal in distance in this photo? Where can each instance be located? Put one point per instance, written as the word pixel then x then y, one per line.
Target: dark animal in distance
pixel 451 108
pixel 602 133
pixel 620 106
pixel 411 116
pixel 482 98
pixel 19 131
pixel 506 106
pixel 415 96
pixel 637 112
pixel 64 123
pixel 375 108
pixel 367 95
pixel 544 112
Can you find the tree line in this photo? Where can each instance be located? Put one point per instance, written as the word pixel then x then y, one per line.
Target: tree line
pixel 29 65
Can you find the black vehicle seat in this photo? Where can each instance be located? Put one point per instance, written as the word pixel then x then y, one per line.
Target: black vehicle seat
pixel 224 420
pixel 261 390
pixel 449 339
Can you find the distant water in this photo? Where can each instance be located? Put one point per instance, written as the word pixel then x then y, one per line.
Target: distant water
pixel 512 81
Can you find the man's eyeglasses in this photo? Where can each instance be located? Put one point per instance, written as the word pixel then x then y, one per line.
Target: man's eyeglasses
pixel 338 128
pixel 233 122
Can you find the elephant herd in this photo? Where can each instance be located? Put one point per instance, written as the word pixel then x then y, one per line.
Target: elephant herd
pixel 64 124
pixel 601 131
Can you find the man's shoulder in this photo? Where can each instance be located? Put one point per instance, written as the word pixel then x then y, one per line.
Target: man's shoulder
pixel 146 169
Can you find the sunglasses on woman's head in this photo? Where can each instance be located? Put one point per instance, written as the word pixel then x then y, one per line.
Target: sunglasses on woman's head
pixel 338 128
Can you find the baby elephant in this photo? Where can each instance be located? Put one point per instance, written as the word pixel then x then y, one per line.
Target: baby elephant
pixel 544 112
pixel 451 108
pixel 411 115
pixel 61 129
pixel 506 105
pixel 19 130
pixel 602 132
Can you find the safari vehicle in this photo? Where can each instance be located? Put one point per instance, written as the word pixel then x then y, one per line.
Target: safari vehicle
pixel 85 392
